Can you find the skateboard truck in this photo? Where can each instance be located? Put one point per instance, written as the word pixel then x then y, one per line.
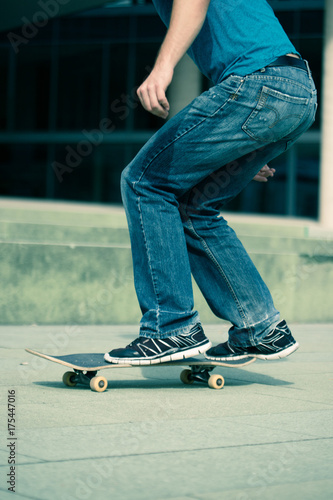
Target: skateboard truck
pixel 202 374
pixel 88 378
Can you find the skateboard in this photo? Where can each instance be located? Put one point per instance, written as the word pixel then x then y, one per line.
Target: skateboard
pixel 87 365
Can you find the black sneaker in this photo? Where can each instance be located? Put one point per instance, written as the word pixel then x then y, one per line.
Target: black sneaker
pixel 279 343
pixel 145 351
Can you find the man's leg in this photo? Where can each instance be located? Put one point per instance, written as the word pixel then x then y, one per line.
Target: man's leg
pixel 170 164
pixel 222 268
pixel 193 145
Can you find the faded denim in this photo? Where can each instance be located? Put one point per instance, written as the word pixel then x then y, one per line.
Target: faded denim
pixel 174 189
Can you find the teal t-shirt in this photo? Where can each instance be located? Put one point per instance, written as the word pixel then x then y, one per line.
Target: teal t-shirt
pixel 238 37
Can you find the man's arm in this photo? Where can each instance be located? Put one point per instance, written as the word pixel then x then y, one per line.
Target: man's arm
pixel 187 18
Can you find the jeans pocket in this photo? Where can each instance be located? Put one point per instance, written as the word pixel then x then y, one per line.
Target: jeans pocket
pixel 275 116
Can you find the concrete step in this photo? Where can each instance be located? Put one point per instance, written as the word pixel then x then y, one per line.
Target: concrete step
pixel 67 234
pixel 70 223
pixel 113 216
pixel 55 234
pixel 71 264
pixel 27 232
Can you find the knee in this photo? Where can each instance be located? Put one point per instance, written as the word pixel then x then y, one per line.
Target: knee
pixel 126 180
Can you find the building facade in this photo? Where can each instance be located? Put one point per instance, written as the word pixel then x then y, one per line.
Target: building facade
pixel 70 120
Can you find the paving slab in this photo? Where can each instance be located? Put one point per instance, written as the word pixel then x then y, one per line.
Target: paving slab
pixel 267 434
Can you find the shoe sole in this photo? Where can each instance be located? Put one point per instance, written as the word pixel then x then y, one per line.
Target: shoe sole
pixel 228 358
pixel 177 356
pixel 276 355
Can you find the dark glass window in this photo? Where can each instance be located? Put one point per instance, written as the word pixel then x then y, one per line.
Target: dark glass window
pixel 311 22
pixel 79 83
pixel 4 70
pixel 22 170
pixel 32 84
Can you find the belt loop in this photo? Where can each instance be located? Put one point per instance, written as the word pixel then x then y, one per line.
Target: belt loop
pixel 308 67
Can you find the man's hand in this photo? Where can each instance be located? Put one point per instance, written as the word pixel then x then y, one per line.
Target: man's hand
pixel 264 173
pixel 152 92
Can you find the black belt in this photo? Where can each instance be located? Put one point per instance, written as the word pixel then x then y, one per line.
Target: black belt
pixel 289 61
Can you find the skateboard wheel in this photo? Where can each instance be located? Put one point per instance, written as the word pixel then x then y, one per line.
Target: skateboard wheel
pixel 98 384
pixel 69 379
pixel 216 381
pixel 185 377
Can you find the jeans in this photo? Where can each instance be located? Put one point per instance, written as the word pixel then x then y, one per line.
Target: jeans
pixel 173 191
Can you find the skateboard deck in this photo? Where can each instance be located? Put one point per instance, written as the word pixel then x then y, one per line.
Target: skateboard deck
pixel 86 365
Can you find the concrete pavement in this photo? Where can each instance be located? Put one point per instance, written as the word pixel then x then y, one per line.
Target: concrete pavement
pixel 267 434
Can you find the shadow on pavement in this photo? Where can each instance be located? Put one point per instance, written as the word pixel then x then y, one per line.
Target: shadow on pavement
pixel 154 380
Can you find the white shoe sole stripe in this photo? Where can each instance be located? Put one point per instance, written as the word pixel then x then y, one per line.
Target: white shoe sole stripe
pixel 179 355
pixel 277 355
